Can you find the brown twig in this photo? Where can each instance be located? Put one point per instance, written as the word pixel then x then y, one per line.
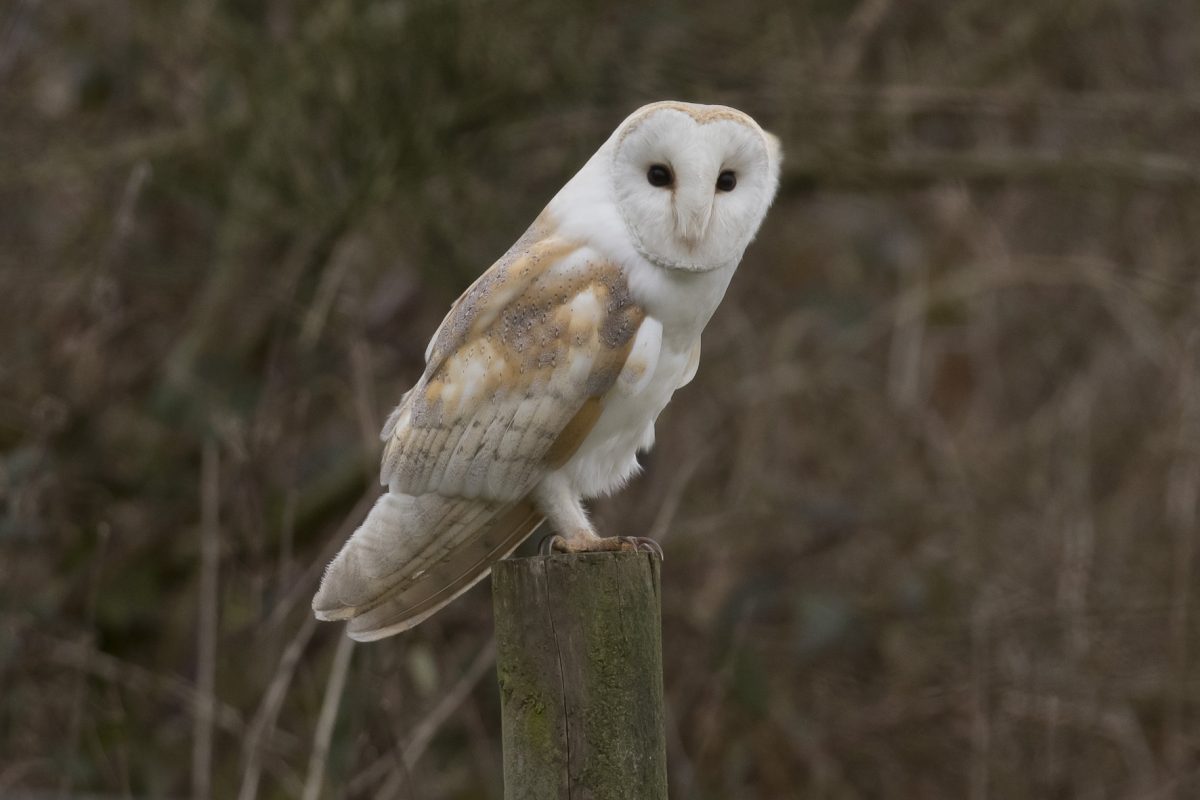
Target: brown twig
pixel 1160 170
pixel 1182 501
pixel 328 716
pixel 262 727
pixel 106 667
pixel 206 629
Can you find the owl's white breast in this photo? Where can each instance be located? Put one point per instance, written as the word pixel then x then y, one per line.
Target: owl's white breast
pixel 607 458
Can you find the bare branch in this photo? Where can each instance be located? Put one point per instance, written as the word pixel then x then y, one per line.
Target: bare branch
pixel 325 722
pixel 206 629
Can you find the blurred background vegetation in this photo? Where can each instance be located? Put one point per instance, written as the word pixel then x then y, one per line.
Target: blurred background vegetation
pixel 930 507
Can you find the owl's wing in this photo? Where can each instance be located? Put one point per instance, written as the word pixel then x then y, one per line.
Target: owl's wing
pixel 516 375
pixel 515 379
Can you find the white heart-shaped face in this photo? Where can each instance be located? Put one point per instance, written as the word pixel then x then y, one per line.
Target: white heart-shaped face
pixel 693 183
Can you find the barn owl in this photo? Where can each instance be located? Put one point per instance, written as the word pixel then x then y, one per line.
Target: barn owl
pixel 546 377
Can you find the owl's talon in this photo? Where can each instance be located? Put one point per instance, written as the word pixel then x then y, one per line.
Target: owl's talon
pixel 650 546
pixel 561 544
pixel 642 545
pixel 552 544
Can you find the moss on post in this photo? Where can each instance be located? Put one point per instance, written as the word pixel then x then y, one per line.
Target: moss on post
pixel 580 666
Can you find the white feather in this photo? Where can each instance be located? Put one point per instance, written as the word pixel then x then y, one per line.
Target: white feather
pixel 643 358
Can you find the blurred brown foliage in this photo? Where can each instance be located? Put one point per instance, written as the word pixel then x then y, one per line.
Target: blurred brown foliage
pixel 930 507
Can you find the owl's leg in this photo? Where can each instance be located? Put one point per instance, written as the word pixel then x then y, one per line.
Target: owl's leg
pixel 564 510
pixel 575 534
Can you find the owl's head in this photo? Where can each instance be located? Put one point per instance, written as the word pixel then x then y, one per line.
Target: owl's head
pixel 693 182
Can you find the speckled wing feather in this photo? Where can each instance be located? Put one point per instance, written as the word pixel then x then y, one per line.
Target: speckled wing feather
pixel 516 374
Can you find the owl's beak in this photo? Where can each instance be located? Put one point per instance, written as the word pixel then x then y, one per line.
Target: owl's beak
pixel 691 217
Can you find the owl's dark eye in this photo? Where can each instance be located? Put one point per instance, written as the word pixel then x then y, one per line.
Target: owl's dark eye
pixel 726 181
pixel 659 175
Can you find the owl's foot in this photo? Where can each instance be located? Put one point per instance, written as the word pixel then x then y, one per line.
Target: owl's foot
pixel 596 544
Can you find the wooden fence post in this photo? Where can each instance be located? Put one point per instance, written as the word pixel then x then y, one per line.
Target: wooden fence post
pixel 579 658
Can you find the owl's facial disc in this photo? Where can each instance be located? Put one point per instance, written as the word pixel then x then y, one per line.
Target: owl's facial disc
pixel 693 183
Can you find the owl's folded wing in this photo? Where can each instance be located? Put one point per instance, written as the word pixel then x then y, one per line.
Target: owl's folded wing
pixel 516 375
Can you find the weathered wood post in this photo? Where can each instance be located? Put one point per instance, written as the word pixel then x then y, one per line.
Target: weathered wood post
pixel 579 657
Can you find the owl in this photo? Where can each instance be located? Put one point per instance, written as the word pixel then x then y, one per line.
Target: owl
pixel 546 377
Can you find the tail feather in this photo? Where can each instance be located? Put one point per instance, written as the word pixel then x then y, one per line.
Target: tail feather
pixel 413 555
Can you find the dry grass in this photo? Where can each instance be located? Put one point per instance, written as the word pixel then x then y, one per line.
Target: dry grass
pixel 930 506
